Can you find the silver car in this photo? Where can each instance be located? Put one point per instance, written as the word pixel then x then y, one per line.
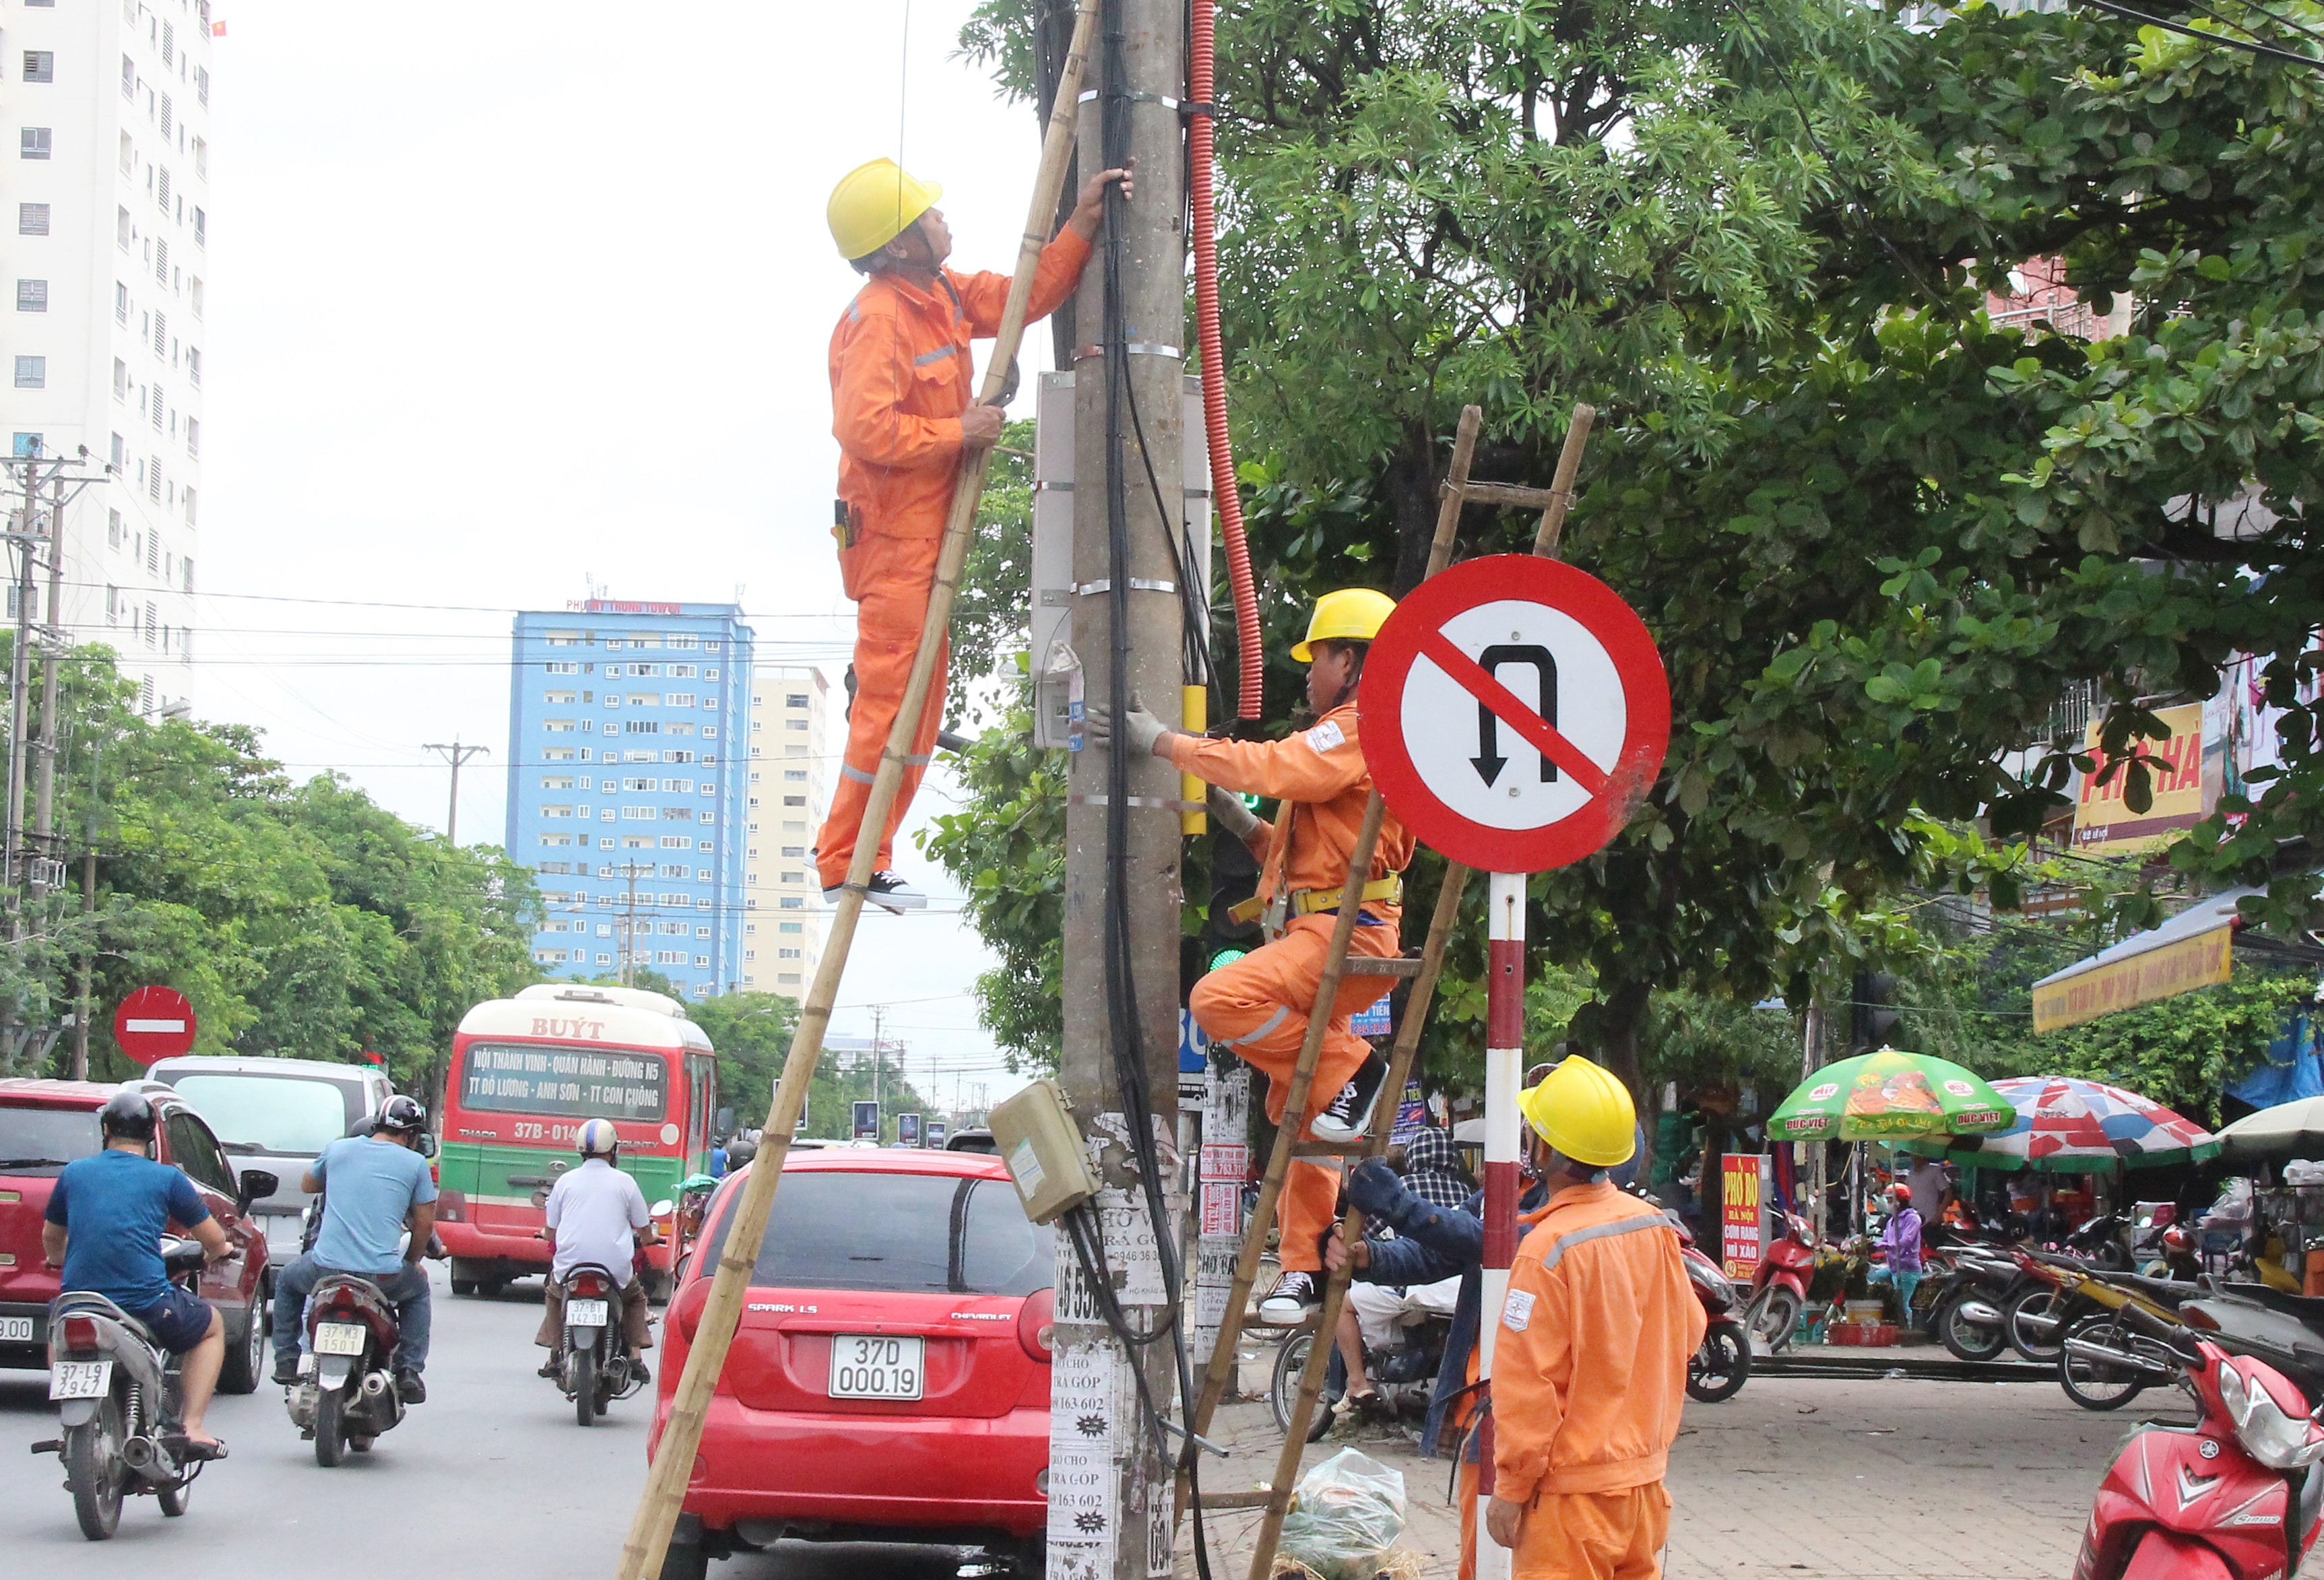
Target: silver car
pixel 276 1114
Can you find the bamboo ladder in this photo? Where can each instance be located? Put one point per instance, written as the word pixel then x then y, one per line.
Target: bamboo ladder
pixel 1276 1498
pixel 674 1455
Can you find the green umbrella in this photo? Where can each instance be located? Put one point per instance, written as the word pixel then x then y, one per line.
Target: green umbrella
pixel 1888 1095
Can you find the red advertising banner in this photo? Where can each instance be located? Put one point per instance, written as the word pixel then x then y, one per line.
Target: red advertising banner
pixel 1741 1221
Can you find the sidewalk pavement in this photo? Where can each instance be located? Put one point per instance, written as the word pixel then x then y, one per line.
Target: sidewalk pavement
pixel 1794 1479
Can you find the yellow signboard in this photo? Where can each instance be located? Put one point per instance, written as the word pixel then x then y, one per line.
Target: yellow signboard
pixel 2176 967
pixel 2105 826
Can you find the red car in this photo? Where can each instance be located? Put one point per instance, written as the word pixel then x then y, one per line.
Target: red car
pixel 890 1381
pixel 45 1125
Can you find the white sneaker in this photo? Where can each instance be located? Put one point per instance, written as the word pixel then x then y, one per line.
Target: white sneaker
pixel 1345 1118
pixel 1292 1300
pixel 885 890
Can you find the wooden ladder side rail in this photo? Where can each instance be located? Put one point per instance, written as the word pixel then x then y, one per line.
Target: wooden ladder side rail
pixel 1440 928
pixel 1222 1364
pixel 674 1454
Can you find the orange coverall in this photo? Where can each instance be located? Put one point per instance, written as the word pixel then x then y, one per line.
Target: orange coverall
pixel 1258 1005
pixel 1589 1379
pixel 900 377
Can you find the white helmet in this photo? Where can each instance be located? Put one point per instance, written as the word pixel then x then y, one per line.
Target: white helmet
pixel 597 1139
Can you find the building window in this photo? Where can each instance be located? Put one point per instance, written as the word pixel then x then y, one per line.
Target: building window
pixel 112 528
pixel 31 220
pixel 789 954
pixel 793 903
pixel 24 444
pixel 194 366
pixel 795 724
pixel 32 296
pixel 201 229
pixel 794 776
pixel 190 521
pixel 33 142
pixel 794 700
pixel 202 84
pixel 40 66
pixel 32 373
pixel 193 436
pixel 790 927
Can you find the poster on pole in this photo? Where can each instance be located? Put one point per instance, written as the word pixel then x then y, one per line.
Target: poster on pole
pixel 937 1130
pixel 1742 1225
pixel 907 1130
pixel 867 1121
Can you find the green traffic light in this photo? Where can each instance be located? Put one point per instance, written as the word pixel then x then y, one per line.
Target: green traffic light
pixel 1227 956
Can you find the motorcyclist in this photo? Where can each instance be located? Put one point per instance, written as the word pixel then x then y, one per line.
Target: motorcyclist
pixel 105 1220
pixel 376 1186
pixel 597 1217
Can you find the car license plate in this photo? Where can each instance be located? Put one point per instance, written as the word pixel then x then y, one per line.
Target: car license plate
pixel 79 1378
pixel 584 1313
pixel 339 1338
pixel 15 1330
pixel 874 1365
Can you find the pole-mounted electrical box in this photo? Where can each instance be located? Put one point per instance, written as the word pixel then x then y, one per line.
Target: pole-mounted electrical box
pixel 1057 670
pixel 1035 1134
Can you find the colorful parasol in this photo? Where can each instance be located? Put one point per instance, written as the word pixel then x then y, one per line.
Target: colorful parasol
pixel 1889 1096
pixel 2065 1125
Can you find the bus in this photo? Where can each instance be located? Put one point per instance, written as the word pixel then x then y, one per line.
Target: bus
pixel 526 1072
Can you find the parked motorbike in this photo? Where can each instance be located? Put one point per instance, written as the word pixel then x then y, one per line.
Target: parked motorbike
pixel 117 1398
pixel 2237 1497
pixel 1779 1286
pixel 347 1393
pixel 1405 1372
pixel 2104 1362
pixel 1966 1317
pixel 2101 1242
pixel 1718 1369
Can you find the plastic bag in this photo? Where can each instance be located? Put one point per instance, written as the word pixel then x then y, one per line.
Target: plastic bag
pixel 1344 1514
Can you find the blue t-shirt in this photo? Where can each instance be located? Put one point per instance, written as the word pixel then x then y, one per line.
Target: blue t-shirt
pixel 113 1209
pixel 369 1187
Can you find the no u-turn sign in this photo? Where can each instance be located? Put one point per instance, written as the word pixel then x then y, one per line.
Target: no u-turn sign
pixel 1515 714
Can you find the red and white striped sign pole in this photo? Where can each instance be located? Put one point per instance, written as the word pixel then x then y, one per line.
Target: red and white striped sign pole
pixel 1505 901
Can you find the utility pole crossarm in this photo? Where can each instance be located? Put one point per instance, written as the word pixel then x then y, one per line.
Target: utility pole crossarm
pixel 455 754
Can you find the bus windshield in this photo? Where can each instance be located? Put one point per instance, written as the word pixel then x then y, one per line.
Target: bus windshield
pixel 535 1078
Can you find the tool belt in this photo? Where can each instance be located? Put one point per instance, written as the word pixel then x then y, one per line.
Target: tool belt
pixel 1388 890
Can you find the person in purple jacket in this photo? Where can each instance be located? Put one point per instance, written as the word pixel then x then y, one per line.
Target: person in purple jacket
pixel 1900 1239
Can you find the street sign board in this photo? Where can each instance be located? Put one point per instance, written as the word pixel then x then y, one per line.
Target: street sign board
pixel 154 1022
pixel 1515 714
pixel 867 1121
pixel 907 1130
pixel 937 1130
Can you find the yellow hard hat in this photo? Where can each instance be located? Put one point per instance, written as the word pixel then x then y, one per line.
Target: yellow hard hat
pixel 1583 1111
pixel 874 204
pixel 1352 614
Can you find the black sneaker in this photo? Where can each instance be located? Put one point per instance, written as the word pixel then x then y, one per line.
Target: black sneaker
pixel 286 1372
pixel 1345 1118
pixel 414 1390
pixel 885 890
pixel 1293 1297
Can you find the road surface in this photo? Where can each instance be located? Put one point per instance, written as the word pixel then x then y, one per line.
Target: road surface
pixel 491 1477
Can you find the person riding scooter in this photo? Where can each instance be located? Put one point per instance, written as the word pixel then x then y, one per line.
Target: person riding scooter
pixel 597 1217
pixel 376 1187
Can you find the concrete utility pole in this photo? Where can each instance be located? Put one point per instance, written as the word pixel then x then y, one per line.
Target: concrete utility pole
pixel 86 1000
pixel 26 530
pixel 455 754
pixel 44 795
pixel 629 925
pixel 1118 1519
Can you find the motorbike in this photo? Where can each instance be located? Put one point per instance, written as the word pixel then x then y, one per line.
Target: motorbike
pixel 2101 1243
pixel 1405 1371
pixel 2237 1497
pixel 347 1393
pixel 592 1363
pixel 1779 1286
pixel 1718 1369
pixel 2104 1362
pixel 1967 1315
pixel 117 1398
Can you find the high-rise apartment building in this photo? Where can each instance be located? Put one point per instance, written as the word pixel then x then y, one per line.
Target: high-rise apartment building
pixel 782 930
pixel 110 195
pixel 627 775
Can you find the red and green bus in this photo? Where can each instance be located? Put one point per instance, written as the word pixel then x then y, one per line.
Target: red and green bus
pixel 526 1073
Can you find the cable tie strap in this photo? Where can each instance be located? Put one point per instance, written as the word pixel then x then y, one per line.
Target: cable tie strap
pixel 1190 108
pixel 1157 802
pixel 1134 348
pixel 1137 584
pixel 1138 97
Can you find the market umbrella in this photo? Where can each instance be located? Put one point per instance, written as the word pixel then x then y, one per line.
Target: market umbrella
pixel 2063 1125
pixel 2284 1131
pixel 1889 1096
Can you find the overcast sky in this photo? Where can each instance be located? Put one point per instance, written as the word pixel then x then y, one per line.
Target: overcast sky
pixel 508 297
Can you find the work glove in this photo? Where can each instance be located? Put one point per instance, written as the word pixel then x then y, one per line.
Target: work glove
pixel 1139 728
pixel 1374 1190
pixel 1233 817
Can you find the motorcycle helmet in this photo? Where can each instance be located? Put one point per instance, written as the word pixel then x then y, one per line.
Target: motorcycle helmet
pixel 597 1139
pixel 127 1116
pixel 1901 1193
pixel 401 1115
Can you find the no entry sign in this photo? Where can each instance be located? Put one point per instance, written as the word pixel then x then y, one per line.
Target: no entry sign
pixel 1515 714
pixel 154 1022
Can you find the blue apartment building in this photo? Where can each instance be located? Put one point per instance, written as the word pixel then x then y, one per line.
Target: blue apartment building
pixel 628 754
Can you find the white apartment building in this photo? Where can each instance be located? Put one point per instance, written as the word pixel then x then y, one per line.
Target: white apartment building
pixel 782 924
pixel 110 194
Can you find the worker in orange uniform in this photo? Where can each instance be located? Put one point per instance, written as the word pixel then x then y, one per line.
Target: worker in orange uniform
pixel 902 413
pixel 1258 1005
pixel 1588 1371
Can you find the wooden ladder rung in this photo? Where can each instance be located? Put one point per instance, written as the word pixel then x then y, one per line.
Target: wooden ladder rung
pixel 1252 1323
pixel 1393 966
pixel 1507 494
pixel 1256 1499
pixel 1361 1148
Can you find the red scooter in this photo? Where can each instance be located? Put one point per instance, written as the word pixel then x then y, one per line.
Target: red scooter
pixel 2237 1497
pixel 1779 1286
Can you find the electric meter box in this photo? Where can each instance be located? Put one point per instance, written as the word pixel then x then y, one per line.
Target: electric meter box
pixel 1035 1134
pixel 1056 670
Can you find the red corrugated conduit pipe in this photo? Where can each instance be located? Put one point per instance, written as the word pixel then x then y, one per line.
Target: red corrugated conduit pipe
pixel 1251 663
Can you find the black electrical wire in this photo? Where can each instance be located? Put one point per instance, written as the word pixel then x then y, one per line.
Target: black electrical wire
pixel 2268 50
pixel 1125 1037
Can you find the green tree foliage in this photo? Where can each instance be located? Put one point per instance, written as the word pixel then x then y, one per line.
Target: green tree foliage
pixel 300 920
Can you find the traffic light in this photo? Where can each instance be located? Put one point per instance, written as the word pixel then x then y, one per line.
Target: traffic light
pixel 1234 878
pixel 1875 1011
